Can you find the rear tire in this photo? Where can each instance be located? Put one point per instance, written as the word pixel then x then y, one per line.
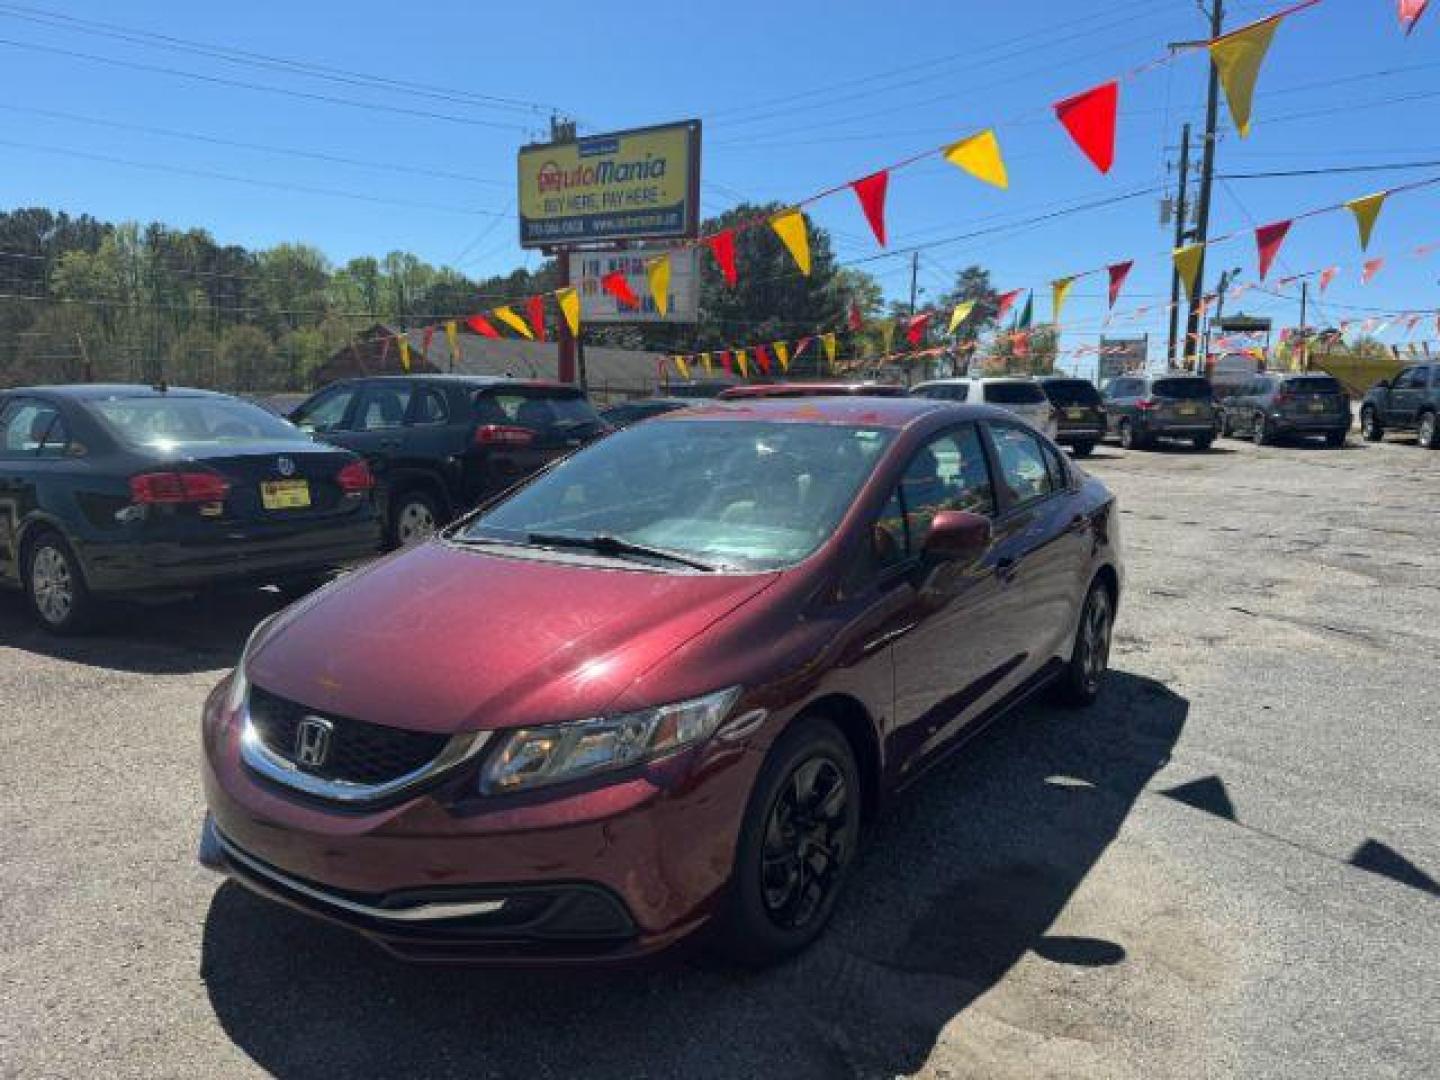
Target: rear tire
pixel 1225 429
pixel 1370 427
pixel 1084 674
pixel 1335 439
pixel 55 586
pixel 1262 434
pixel 1129 439
pixel 1083 449
pixel 796 843
pixel 1203 442
pixel 1429 431
pixel 414 518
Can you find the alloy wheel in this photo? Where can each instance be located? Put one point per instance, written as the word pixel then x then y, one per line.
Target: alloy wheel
pixel 1367 424
pixel 1095 640
pixel 51 585
pixel 1427 430
pixel 807 842
pixel 415 522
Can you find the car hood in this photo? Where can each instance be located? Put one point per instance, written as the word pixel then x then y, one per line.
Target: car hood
pixel 444 639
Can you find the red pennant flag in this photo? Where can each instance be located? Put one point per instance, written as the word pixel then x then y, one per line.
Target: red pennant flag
pixel 857 321
pixel 481 326
pixel 1090 120
pixel 535 309
pixel 1372 267
pixel 762 358
pixel 1326 277
pixel 616 285
pixel 425 342
pixel 1118 273
pixel 870 190
pixel 726 364
pixel 722 246
pixel 1268 239
pixel 1004 303
pixel 1410 12
pixel 915 328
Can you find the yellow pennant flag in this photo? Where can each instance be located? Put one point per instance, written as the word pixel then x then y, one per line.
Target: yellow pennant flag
pixel 979 155
pixel 404 351
pixel 744 364
pixel 1060 290
pixel 1367 212
pixel 515 322
pixel 790 227
pixel 1187 262
pixel 569 301
pixel 960 314
pixel 1237 58
pixel 682 366
pixel 452 335
pixel 828 340
pixel 658 273
pixel 705 359
pixel 782 352
pixel 887 333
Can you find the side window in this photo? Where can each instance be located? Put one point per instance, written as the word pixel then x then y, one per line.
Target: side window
pixel 383 406
pixel 430 407
pixel 327 411
pixel 1023 468
pixel 1410 379
pixel 522 410
pixel 947 473
pixel 25 425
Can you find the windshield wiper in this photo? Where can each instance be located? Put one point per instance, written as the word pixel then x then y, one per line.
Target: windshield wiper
pixel 606 544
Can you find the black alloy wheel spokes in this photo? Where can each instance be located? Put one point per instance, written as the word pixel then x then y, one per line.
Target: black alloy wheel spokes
pixel 807 842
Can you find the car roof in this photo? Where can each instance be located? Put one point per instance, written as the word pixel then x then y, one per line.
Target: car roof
pixel 966 379
pixel 101 391
pixel 851 410
pixel 476 381
pixel 812 389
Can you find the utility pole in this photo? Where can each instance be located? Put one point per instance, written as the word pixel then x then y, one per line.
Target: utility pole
pixel 1182 214
pixel 1304 326
pixel 563 131
pixel 1207 180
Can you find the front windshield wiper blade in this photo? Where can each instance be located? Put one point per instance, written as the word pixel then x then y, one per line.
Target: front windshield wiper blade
pixel 606 544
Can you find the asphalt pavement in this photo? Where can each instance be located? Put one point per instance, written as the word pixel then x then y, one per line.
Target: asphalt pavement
pixel 1227 868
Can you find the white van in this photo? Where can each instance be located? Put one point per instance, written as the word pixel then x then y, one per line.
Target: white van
pixel 1025 398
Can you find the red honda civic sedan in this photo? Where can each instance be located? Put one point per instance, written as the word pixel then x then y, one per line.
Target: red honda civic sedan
pixel 659 687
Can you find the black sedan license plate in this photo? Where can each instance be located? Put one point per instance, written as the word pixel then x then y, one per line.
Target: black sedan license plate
pixel 285 494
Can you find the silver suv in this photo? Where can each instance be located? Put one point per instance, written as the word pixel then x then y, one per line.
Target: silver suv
pixel 1025 398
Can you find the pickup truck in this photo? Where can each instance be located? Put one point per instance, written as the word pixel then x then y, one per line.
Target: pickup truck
pixel 1408 402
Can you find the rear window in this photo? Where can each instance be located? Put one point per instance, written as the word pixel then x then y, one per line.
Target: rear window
pixel 1072 392
pixel 536 408
pixel 1016 393
pixel 1186 389
pixel 163 422
pixel 1313 384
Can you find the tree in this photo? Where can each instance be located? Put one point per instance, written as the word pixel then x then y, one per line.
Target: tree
pixel 972 283
pixel 246 358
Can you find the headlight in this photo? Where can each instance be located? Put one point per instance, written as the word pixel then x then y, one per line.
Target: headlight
pixel 239 682
pixel 535 757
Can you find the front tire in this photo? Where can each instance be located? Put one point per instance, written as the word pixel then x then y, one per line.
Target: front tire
pixel 55 586
pixel 796 843
pixel 1429 431
pixel 1203 442
pixel 1335 439
pixel 1082 449
pixel 1129 440
pixel 414 518
pixel 1084 674
pixel 1370 427
pixel 1226 430
pixel 1263 435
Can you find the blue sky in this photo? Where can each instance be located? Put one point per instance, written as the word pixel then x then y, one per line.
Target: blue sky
pixel 795 97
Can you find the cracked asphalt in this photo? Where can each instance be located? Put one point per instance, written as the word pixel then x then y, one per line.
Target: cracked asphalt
pixel 1227 868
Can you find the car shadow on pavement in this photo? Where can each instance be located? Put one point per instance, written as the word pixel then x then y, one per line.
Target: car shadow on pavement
pixel 200 634
pixel 959 881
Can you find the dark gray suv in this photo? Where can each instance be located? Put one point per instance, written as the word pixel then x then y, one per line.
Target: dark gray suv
pixel 1270 407
pixel 1408 402
pixel 1142 408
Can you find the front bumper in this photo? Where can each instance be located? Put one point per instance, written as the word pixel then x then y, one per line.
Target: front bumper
pixel 601 875
pixel 134 565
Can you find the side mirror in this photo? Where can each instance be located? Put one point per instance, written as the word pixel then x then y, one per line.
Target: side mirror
pixel 958 535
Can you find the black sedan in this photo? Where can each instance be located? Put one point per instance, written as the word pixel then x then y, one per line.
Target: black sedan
pixel 131 490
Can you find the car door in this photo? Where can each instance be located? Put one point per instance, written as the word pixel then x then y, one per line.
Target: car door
pixel 26 426
pixel 1407 391
pixel 947 642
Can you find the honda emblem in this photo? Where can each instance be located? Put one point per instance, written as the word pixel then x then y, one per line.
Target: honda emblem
pixel 312 741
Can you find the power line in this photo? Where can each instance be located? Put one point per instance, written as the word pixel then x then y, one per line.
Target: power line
pixel 266 61
pixel 215 140
pixel 1329 170
pixel 220 80
pixel 277 184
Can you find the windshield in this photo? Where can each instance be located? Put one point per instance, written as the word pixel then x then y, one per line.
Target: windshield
pixel 162 422
pixel 1072 392
pixel 1014 393
pixel 731 494
pixel 1187 389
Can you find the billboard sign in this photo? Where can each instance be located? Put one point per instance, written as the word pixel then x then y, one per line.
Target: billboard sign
pixel 1121 356
pixel 631 185
pixel 598 306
